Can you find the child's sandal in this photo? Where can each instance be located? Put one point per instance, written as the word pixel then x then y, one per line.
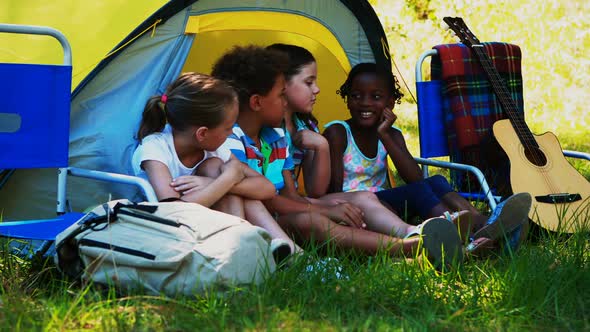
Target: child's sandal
pixel 441 241
pixel 479 247
pixel 451 216
pixel 508 217
pixel 463 224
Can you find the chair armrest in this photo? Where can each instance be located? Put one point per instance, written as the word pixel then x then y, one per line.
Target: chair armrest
pixel 576 154
pixel 467 168
pixel 141 183
pixel 41 30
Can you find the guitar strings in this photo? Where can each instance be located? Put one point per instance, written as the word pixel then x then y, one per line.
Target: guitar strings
pixel 528 141
pixel 519 125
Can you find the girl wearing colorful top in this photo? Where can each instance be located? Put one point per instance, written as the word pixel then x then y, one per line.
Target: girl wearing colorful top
pixel 360 145
pixel 179 153
pixel 351 220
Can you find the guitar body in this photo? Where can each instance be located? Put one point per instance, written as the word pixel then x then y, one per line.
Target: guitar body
pixel 556 176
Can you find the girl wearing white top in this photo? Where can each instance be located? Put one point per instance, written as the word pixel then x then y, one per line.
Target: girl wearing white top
pixel 180 134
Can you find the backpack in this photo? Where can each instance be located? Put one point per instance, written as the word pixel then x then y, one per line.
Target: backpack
pixel 171 248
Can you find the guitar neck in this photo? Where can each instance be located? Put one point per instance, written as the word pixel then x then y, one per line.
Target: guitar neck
pixel 499 87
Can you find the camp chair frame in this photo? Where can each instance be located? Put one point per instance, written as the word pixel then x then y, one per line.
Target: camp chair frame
pixel 432 125
pixel 28 229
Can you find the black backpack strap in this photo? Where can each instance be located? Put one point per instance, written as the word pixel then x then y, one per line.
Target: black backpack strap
pixel 135 206
pixel 171 199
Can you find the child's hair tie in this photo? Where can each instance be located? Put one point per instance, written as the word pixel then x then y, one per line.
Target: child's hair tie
pixel 164 99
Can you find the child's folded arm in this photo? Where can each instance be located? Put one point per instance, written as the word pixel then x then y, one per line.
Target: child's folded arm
pixel 254 186
pixel 204 190
pixel 289 202
pixel 287 205
pixel 160 178
pixel 345 213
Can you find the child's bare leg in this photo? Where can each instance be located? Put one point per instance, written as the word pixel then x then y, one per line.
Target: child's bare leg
pixel 457 203
pixel 251 210
pixel 257 214
pixel 321 228
pixel 439 209
pixel 231 204
pixel 210 168
pixel 377 217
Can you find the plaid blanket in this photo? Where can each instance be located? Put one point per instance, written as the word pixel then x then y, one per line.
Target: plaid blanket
pixel 471 107
pixel 469 102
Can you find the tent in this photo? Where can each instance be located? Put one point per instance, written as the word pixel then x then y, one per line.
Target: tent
pixel 186 35
pixel 91 27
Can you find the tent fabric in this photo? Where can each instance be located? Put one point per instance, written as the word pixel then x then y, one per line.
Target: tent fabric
pixel 331 14
pixel 268 21
pixel 107 104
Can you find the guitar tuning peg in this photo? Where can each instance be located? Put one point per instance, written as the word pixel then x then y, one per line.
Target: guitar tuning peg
pixel 447 28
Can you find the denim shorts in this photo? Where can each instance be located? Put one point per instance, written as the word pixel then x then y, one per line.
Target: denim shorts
pixel 417 198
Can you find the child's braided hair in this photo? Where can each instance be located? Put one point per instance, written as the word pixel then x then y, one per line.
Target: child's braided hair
pixel 369 67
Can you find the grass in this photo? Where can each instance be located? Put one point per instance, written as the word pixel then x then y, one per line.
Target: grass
pixel 543 286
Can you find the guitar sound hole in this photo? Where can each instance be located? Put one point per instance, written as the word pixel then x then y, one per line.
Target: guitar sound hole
pixel 535 156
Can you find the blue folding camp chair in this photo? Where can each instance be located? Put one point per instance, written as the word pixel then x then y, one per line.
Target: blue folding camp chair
pixel 34 133
pixel 433 134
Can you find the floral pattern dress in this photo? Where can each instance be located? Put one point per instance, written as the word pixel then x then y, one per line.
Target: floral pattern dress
pixel 360 172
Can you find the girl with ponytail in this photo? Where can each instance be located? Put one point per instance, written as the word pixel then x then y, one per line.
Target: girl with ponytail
pixel 179 153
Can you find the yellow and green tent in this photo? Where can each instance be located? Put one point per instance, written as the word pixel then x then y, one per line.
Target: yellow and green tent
pixel 189 35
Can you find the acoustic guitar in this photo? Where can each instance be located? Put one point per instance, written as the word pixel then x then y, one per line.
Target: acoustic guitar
pixel 537 165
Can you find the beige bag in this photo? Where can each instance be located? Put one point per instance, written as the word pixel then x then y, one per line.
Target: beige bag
pixel 171 248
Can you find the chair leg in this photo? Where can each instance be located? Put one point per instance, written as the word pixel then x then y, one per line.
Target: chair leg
pixel 4 175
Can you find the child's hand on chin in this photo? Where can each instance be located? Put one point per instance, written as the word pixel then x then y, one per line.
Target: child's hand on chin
pixel 387 120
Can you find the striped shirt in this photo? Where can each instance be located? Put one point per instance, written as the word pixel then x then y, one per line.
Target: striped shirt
pixel 270 160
